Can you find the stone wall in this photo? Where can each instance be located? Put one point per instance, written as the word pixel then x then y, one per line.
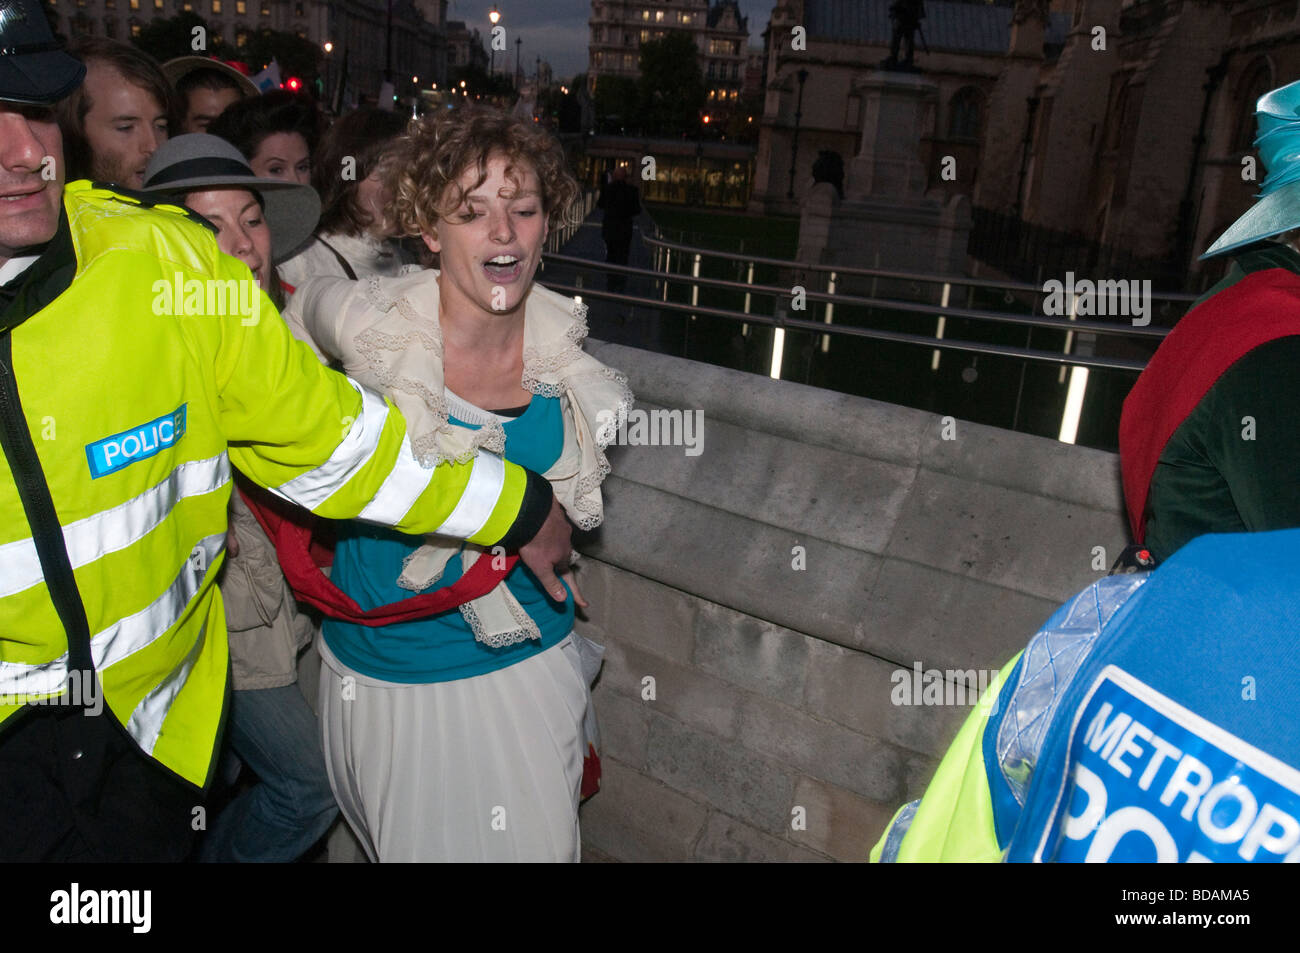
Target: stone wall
pixel 745 701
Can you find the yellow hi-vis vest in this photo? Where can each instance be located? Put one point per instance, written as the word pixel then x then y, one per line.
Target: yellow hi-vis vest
pixel 159 367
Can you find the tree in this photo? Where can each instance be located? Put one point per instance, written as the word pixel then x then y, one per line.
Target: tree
pixel 670 92
pixel 165 39
pixel 616 103
pixel 296 56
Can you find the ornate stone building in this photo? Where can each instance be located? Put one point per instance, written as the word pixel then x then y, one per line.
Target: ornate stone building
pixel 721 34
pixel 1105 135
pixel 837 46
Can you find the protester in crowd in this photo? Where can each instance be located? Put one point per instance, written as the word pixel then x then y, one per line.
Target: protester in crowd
pixel 461 736
pixel 277 133
pixel 115 531
pixel 621 202
pixel 270 726
pixel 1207 439
pixel 206 87
pixel 354 238
pixel 118 117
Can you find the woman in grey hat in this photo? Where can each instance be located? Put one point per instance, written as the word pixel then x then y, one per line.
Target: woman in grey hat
pixel 271 726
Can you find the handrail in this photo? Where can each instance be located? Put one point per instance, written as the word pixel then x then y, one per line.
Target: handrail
pixel 817 327
pixel 931 310
pixel 880 272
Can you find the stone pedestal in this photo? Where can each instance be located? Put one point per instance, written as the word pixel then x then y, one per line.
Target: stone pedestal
pixel 886 218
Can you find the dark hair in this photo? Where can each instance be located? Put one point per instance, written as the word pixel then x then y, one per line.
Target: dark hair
pixel 364 136
pixel 139 69
pixel 205 77
pixel 246 123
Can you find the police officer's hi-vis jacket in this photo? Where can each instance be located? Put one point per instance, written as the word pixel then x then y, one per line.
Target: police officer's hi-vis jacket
pixel 137 364
pixel 1155 717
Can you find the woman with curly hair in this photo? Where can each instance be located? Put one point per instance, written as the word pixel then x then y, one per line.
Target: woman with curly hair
pixel 461 736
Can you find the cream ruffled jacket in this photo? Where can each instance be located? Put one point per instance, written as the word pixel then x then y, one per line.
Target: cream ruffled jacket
pixel 385 331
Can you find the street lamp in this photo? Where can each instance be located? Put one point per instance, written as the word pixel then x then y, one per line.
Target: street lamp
pixel 329 48
pixel 494 16
pixel 798 114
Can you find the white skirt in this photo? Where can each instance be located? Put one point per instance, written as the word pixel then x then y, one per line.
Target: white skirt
pixel 487 768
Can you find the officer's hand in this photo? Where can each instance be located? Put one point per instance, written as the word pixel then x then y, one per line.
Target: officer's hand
pixel 550 548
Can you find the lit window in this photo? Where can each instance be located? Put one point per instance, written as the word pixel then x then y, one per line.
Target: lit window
pixel 157 4
pixel 659 16
pixel 645 36
pixel 135 29
pixel 297 10
pixel 266 9
pixel 241 38
pixel 110 4
pixel 216 6
pixel 686 19
pixel 645 14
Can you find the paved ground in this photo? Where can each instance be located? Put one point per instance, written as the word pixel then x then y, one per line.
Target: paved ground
pixel 613 321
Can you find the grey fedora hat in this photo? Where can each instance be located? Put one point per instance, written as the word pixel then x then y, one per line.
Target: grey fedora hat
pixel 34 69
pixel 197 161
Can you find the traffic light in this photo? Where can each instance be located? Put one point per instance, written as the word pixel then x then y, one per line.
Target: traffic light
pixel 293 84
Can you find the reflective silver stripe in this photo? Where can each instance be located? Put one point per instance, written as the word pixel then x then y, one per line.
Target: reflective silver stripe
pixel 145 723
pixel 113 530
pixel 132 633
pixel 400 490
pixel 125 636
pixel 47 678
pixel 316 486
pixel 486 481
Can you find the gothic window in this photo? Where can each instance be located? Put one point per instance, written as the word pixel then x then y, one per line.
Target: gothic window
pixel 964 114
pixel 1254 83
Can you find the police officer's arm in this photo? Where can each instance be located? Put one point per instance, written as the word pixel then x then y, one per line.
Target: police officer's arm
pixel 954 820
pixel 324 442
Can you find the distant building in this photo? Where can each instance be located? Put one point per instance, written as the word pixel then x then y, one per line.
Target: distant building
pixel 1113 137
pixel 355 27
pixel 721 35
pixel 464 48
pixel 962 49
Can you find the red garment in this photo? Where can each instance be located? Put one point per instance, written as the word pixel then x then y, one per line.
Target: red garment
pixel 290 530
pixel 1261 307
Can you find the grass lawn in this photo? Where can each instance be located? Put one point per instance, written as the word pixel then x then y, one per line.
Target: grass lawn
pixel 764 235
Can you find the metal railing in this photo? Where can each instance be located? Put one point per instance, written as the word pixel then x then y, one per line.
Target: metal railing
pixel 1078 330
pixel 559 236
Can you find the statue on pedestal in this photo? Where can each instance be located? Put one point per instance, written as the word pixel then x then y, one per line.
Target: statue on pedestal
pixel 1038 9
pixel 905 16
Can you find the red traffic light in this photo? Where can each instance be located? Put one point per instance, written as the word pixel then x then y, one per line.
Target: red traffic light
pixel 294 84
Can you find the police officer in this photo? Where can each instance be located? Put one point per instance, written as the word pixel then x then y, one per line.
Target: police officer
pixel 119 422
pixel 1153 718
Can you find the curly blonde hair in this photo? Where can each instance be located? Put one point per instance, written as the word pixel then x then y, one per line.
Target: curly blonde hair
pixel 425 164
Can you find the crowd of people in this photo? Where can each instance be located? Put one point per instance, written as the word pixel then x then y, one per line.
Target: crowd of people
pixel 453 717
pixel 382 465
